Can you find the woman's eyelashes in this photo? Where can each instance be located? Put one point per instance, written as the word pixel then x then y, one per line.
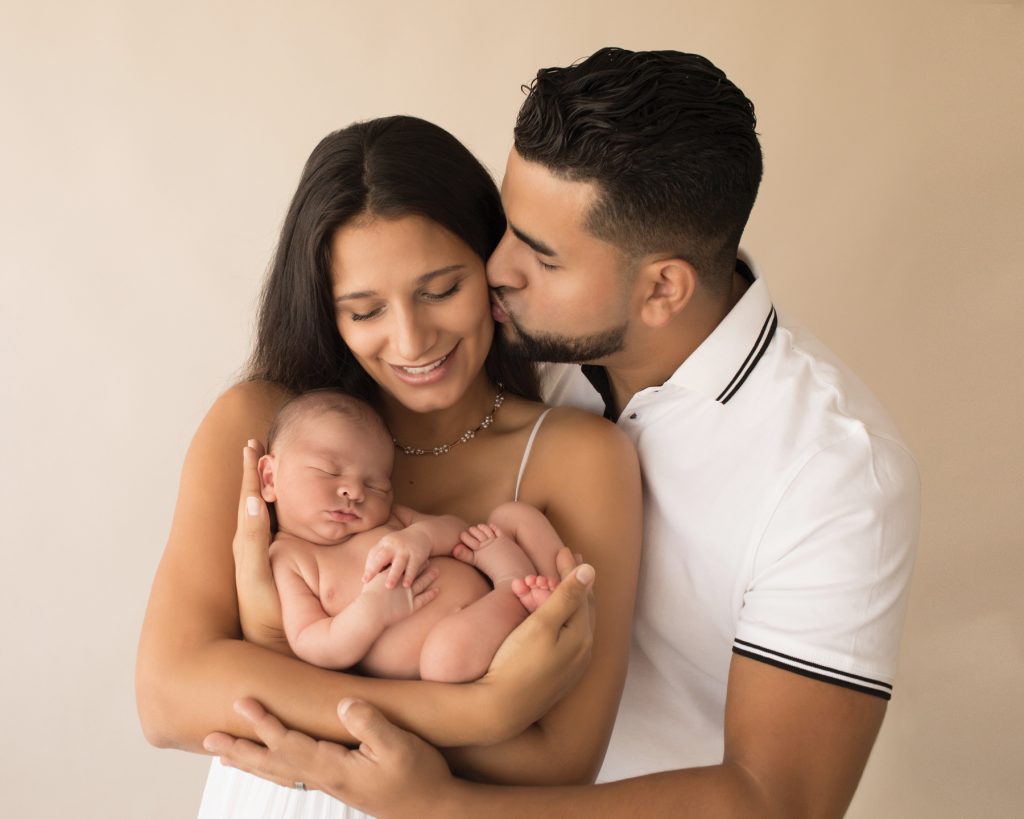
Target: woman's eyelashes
pixel 376 311
pixel 451 291
pixel 426 295
pixel 545 265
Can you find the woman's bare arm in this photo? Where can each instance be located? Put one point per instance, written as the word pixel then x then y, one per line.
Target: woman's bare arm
pixel 586 479
pixel 193 664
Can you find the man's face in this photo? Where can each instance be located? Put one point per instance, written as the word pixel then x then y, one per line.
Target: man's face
pixel 560 293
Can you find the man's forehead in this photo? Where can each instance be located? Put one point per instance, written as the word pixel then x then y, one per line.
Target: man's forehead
pixel 543 205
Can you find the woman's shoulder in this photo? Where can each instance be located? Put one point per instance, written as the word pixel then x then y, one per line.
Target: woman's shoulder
pixel 249 404
pixel 581 435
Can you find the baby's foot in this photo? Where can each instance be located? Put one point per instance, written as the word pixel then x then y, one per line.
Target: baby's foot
pixel 492 552
pixel 533 590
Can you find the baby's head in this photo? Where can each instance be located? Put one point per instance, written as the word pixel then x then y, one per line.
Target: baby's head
pixel 328 467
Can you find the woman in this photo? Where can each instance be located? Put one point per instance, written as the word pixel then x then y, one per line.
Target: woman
pixel 378 287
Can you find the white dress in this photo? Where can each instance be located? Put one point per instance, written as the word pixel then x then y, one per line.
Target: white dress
pixel 234 794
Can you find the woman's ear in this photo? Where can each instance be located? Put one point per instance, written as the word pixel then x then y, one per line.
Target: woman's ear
pixel 266 466
pixel 669 284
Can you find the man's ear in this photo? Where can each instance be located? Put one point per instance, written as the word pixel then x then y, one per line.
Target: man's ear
pixel 668 285
pixel 266 466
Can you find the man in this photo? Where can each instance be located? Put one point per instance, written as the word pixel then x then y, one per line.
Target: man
pixel 781 507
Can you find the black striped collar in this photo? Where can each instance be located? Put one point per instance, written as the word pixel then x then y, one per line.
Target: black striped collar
pixel 723 362
pixel 720 366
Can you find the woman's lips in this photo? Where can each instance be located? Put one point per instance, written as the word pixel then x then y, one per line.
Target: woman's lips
pixel 429 373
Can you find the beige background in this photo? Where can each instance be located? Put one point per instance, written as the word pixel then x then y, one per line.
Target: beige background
pixel 148 154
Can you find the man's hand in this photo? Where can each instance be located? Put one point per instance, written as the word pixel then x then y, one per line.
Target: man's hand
pixel 391 774
pixel 406 552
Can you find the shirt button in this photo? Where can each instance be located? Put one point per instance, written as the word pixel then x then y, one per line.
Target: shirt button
pixel 632 417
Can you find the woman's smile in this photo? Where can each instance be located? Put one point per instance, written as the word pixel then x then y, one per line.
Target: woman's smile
pixel 429 373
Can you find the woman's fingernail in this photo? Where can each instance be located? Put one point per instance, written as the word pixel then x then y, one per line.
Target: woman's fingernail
pixel 252 506
pixel 251 442
pixel 585 574
pixel 344 705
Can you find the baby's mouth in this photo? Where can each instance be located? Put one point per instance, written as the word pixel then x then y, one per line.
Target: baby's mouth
pixel 342 515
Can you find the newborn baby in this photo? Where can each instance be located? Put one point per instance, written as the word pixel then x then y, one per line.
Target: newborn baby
pixel 370 584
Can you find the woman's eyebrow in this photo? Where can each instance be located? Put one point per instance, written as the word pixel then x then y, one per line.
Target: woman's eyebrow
pixel 420 281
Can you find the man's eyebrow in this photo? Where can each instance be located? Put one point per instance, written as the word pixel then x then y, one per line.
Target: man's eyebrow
pixel 426 278
pixel 536 244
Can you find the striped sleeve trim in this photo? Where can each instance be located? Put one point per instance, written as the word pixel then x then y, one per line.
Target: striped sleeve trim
pixel 815 671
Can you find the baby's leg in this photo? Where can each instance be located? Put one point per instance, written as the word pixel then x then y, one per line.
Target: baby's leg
pixel 461 646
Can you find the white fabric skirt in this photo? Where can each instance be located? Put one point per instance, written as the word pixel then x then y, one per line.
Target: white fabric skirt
pixel 234 794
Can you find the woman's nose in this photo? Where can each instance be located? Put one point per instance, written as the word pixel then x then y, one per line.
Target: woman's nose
pixel 412 337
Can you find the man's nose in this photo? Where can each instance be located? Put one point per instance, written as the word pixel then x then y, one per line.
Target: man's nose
pixel 501 268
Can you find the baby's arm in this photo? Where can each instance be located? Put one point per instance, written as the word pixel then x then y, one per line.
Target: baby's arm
pixel 341 641
pixel 407 550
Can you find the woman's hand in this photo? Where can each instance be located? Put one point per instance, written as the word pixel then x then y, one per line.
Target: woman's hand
pixel 259 606
pixel 545 656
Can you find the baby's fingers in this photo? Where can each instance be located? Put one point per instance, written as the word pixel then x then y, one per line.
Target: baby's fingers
pixel 423 590
pixel 376 560
pixel 398 565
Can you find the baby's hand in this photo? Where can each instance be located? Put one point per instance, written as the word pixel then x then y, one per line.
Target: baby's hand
pixel 406 552
pixel 391 605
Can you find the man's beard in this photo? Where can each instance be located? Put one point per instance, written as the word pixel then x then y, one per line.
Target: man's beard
pixel 560 349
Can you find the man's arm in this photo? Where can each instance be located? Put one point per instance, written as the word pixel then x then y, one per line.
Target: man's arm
pixel 794 747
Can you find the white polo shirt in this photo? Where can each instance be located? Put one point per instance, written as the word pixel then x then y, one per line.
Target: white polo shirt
pixel 781 513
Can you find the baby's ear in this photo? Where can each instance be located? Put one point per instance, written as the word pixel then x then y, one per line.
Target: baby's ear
pixel 266 467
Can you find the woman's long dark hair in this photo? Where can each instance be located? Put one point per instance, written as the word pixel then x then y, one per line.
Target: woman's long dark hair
pixel 390 167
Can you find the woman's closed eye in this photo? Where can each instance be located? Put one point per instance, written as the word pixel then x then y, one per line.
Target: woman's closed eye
pixel 451 291
pixel 369 314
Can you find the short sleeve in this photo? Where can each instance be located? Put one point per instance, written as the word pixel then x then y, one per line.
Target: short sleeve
pixel 830 578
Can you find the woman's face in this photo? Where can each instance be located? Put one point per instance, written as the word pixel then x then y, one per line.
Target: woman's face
pixel 412 305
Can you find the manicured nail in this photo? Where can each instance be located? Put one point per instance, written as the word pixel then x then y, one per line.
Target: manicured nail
pixel 344 705
pixel 585 574
pixel 252 506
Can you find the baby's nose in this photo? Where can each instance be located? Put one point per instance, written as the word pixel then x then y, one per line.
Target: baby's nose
pixel 353 491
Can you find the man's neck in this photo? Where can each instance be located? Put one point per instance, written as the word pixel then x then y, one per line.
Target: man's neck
pixel 656 354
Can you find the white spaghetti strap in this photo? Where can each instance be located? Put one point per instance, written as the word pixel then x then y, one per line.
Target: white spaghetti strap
pixel 526 452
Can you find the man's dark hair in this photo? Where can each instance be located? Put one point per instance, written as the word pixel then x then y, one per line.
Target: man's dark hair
pixel 390 167
pixel 669 143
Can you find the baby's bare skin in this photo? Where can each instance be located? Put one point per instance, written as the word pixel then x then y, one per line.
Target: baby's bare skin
pixel 336 573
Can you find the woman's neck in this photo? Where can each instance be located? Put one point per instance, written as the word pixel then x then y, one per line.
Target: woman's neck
pixel 429 429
